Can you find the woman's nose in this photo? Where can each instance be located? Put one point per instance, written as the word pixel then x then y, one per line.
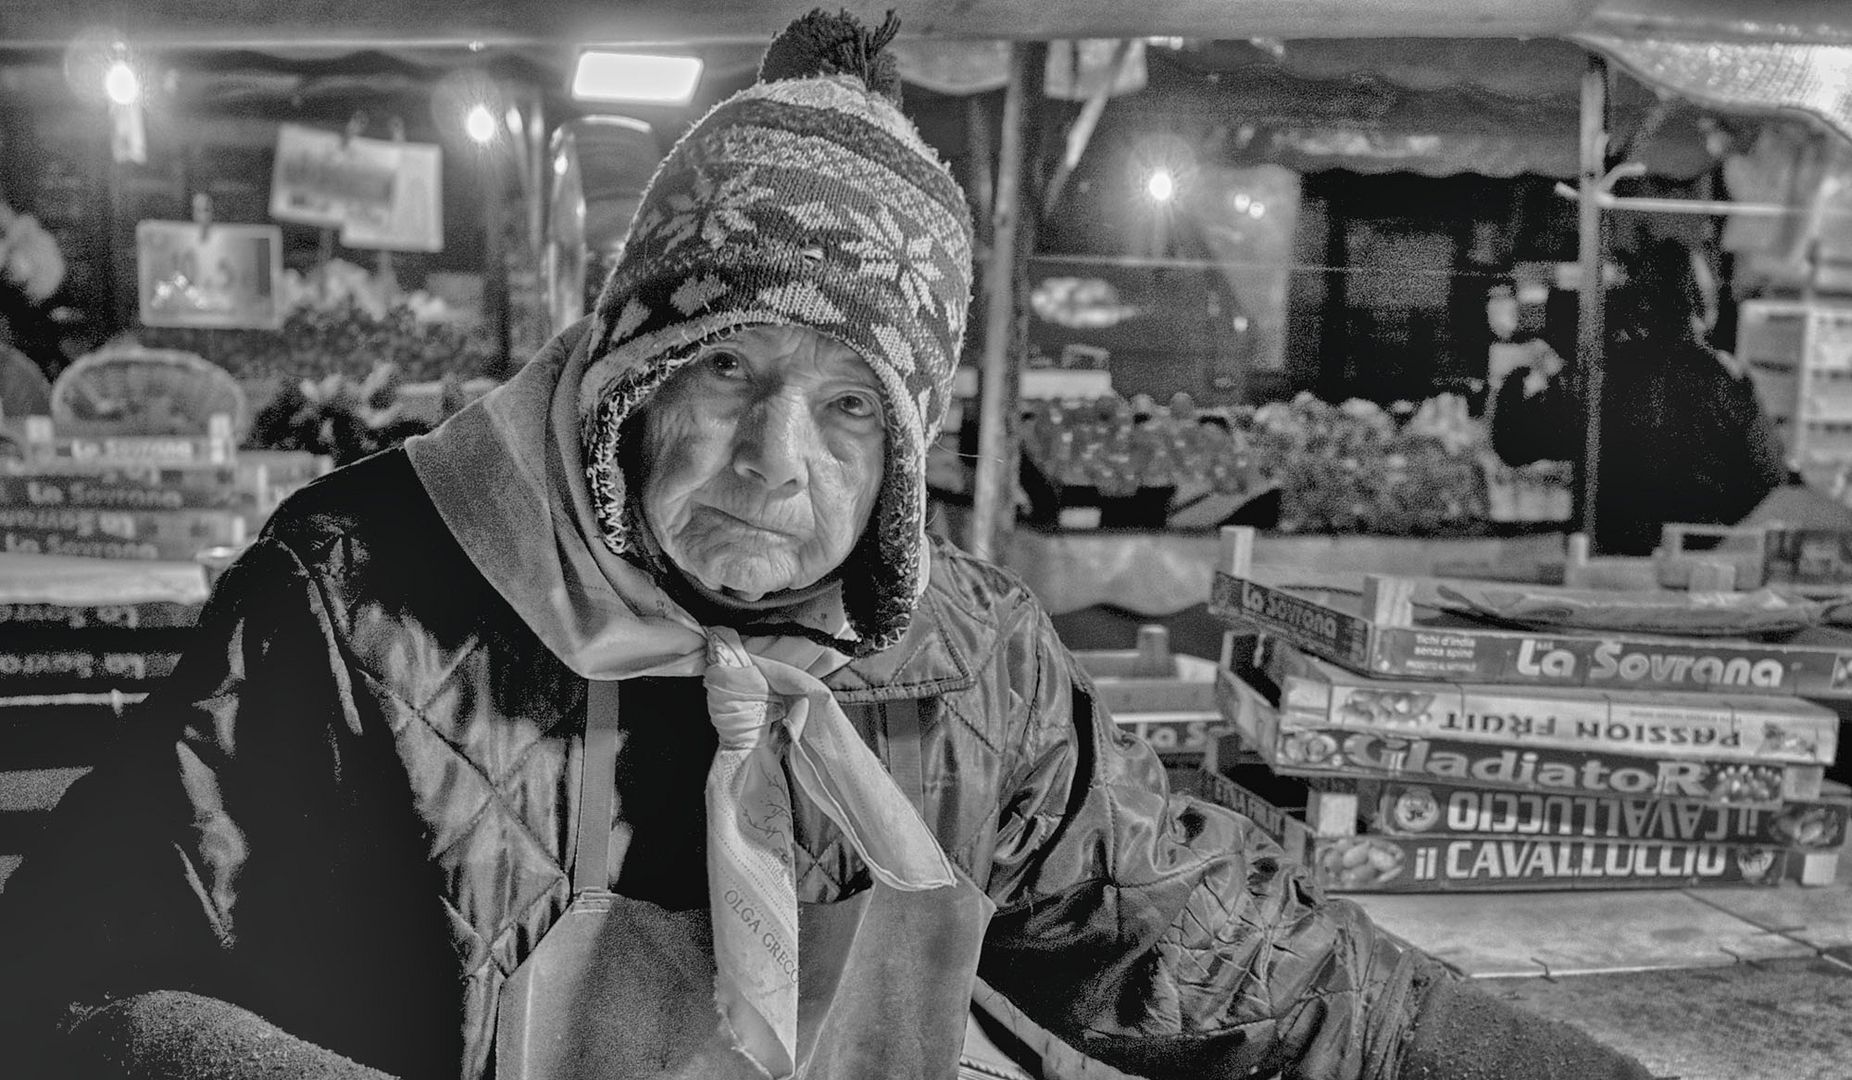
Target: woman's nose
pixel 774 442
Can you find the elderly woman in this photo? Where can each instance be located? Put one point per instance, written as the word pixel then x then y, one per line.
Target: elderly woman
pixel 630 725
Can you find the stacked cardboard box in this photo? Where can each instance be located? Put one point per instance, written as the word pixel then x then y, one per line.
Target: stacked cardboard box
pixel 150 497
pixel 1165 698
pixel 80 642
pixel 1397 753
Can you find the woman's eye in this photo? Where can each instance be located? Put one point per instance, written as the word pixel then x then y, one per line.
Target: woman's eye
pixel 859 405
pixel 727 365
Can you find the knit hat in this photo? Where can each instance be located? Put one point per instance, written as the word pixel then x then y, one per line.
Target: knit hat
pixel 805 200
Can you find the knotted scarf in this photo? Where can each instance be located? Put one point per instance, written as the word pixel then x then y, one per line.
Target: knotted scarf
pixel 507 476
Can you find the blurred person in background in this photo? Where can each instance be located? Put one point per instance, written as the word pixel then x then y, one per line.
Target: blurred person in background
pixel 1684 438
pixel 630 725
pixel 31 270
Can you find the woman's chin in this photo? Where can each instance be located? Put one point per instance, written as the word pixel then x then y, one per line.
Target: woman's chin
pixel 749 584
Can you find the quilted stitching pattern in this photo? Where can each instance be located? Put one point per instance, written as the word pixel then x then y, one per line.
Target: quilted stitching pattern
pixel 496 866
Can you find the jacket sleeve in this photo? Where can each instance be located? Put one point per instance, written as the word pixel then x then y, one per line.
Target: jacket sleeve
pixel 231 848
pixel 1162 935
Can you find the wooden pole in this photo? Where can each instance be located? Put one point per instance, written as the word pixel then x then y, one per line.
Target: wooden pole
pixel 983 166
pixel 1591 241
pixel 992 496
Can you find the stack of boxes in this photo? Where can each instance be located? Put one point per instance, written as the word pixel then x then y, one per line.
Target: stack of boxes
pixel 150 497
pixel 113 530
pixel 144 498
pixel 1165 698
pixel 78 645
pixel 1401 749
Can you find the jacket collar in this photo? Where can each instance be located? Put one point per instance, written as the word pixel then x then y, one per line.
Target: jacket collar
pixel 935 657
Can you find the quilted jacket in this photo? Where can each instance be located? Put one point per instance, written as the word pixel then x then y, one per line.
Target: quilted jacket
pixel 349 808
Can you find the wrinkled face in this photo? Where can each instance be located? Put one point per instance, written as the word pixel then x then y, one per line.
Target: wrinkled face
pixel 763 460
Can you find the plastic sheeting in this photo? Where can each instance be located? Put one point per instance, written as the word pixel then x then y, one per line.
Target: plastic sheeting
pixel 1811 80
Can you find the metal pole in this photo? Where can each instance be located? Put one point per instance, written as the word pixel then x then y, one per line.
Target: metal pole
pixel 992 500
pixel 1590 336
pixel 495 261
pixel 538 176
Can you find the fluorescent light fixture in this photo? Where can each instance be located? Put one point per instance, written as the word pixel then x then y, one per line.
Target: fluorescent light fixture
pixel 603 75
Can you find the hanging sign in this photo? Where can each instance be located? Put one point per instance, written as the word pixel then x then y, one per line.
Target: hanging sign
pixel 415 219
pixel 379 193
pixel 323 178
pixel 209 275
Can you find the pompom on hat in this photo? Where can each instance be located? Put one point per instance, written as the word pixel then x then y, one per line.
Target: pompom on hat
pixel 809 200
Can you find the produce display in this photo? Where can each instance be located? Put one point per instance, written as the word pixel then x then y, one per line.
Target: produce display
pixel 1352 468
pixel 1117 446
pixel 340 319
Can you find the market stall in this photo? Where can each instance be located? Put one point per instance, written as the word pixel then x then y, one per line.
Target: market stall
pixel 389 220
pixel 1421 681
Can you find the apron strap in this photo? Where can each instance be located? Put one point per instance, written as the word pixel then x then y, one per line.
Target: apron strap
pixel 591 864
pixel 901 721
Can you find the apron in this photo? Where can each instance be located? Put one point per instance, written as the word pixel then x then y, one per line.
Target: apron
pixel 622 989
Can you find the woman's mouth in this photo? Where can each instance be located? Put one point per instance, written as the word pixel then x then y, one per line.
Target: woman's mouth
pixel 737 521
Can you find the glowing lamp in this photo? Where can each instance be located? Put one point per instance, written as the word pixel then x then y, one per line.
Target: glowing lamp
pixel 1161 185
pixel 479 124
pixel 121 83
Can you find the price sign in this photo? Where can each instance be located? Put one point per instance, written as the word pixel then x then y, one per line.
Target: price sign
pixel 209 275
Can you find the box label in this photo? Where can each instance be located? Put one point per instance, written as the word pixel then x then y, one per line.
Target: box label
pixel 1337 634
pixel 74 669
pixel 1421 809
pixel 153 613
pixel 1510 657
pixel 1445 864
pixel 1368 753
pixel 1175 736
pixel 112 491
pixel 1728 727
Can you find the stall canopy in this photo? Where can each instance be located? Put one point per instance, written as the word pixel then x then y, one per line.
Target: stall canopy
pixel 510 21
pixel 1498 103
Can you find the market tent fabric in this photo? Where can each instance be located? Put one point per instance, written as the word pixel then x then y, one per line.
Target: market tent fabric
pixel 1440 107
pixel 500 22
pixel 506 22
pixel 1809 80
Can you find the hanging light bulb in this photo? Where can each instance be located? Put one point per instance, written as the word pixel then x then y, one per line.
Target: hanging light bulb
pixel 479 124
pixel 1161 185
pixel 121 83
